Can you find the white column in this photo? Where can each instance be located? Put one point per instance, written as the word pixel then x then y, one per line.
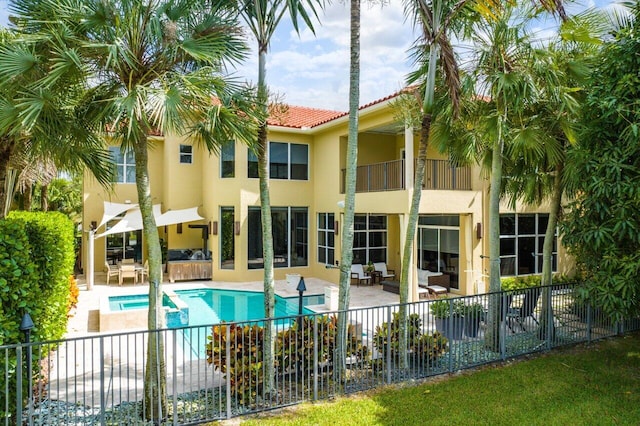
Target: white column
pixel 408 158
pixel 90 256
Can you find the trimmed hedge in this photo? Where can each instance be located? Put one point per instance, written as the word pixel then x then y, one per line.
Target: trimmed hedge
pixel 44 289
pixel 36 261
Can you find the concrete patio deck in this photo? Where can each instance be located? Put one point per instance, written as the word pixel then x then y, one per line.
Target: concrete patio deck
pixel 85 321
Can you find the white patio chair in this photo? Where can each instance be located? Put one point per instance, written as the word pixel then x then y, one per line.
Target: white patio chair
pixel 128 271
pixel 385 273
pixel 112 271
pixel 357 273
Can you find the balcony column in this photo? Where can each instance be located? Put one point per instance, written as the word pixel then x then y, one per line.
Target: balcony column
pixel 408 158
pixel 412 280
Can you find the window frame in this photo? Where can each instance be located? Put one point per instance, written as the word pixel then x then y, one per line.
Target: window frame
pixel 128 165
pixel 326 233
pixel 538 235
pixel 184 155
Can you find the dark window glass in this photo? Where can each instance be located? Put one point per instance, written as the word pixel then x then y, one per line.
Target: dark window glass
pixel 299 161
pixel 507 246
pixel 227 238
pixel 252 164
pixel 278 160
pixel 228 160
pixel 526 224
pixel 186 154
pixel 507 224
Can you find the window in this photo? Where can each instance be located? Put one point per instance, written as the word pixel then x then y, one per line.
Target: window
pixel 186 154
pixel 439 245
pixel 127 245
pixel 252 164
pixel 290 237
pixel 125 165
pixel 521 241
pixel 369 239
pixel 228 160
pixel 288 161
pixel 227 238
pixel 326 236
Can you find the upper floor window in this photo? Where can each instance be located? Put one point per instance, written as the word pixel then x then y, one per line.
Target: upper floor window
pixel 521 241
pixel 125 165
pixel 186 154
pixel 228 160
pixel 252 164
pixel 288 161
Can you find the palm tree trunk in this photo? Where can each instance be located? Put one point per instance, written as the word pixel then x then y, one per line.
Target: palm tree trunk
pixel 410 236
pixel 492 336
pixel 267 233
pixel 44 198
pixel 155 378
pixel 27 197
pixel 6 150
pixel 350 193
pixel 546 327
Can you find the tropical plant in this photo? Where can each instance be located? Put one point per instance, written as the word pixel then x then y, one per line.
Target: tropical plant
pixel 602 226
pixel 262 17
pixel 146 67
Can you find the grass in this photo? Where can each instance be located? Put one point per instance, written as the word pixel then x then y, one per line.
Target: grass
pixel 597 384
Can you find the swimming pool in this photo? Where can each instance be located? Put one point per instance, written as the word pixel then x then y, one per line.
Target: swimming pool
pixel 211 306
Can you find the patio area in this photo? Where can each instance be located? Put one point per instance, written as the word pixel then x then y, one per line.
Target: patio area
pixel 85 321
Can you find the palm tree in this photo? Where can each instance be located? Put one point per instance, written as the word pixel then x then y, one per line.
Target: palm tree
pixel 40 124
pixel 263 17
pixel 148 67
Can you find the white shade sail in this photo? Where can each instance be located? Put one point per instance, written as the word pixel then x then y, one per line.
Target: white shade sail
pixel 132 220
pixel 112 210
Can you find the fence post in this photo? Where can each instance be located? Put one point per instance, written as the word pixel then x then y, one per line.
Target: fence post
pixel 175 376
pixel 504 303
pixel 588 322
pixel 103 402
pixel 388 354
pixel 315 357
pixel 228 369
pixel 19 385
pixel 451 334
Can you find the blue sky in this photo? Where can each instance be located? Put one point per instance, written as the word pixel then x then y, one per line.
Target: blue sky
pixel 313 70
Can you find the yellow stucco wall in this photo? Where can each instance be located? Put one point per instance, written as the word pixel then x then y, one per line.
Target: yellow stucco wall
pixel 178 186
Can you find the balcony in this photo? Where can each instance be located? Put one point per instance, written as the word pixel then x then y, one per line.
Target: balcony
pixel 389 176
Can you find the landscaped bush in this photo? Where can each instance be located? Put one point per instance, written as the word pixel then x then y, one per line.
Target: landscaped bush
pixel 424 348
pixel 36 261
pixel 293 350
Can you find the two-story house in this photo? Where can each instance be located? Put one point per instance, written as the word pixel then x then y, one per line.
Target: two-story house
pixel 307 159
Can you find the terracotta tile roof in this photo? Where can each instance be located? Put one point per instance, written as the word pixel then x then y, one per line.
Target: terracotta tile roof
pixel 299 117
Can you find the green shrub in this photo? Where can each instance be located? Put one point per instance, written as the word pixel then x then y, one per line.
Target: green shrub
pixel 293 350
pixel 424 348
pixel 520 282
pixel 441 308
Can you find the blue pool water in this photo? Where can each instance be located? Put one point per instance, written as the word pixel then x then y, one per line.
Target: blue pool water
pixel 212 306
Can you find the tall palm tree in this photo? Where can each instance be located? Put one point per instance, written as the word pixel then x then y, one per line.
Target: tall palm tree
pixel 148 66
pixel 263 17
pixel 41 123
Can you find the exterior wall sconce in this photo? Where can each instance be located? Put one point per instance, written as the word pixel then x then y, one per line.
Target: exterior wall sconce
pixel 236 228
pixel 479 230
pixel 94 225
pixel 336 227
pixel 214 227
pixel 179 228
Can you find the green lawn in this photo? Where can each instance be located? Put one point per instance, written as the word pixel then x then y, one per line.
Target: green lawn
pixel 597 384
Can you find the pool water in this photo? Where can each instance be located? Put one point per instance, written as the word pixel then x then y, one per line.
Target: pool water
pixel 212 306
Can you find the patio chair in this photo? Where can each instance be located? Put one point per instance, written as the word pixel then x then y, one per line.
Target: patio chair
pixel 144 271
pixel 526 309
pixel 112 271
pixel 357 274
pixel 385 274
pixel 128 271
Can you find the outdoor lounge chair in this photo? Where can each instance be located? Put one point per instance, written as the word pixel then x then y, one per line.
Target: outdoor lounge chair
pixel 526 309
pixel 385 274
pixel 112 271
pixel 357 273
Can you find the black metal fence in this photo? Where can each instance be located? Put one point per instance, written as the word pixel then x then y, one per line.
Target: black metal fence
pixel 217 372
